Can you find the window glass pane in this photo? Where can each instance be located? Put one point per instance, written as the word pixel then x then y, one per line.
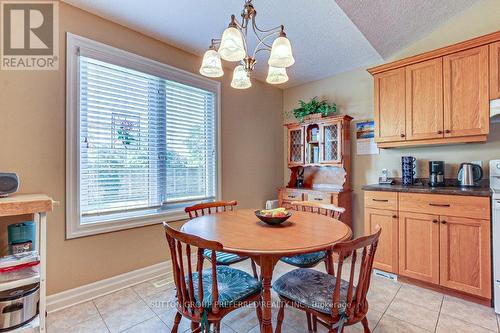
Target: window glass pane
pixel 144 141
pixel 190 143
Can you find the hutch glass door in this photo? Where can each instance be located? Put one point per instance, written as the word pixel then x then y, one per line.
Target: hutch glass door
pixel 296 146
pixel 331 143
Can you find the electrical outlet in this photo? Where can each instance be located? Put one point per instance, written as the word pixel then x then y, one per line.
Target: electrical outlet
pixel 480 163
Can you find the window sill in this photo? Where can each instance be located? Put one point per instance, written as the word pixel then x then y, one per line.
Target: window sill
pixel 101 226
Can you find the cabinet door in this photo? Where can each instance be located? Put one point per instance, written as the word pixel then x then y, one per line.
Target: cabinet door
pixel 466 101
pixel 331 143
pixel 419 246
pixel 495 70
pixel 295 146
pixel 386 257
pixel 390 106
pixel 465 256
pixel 424 100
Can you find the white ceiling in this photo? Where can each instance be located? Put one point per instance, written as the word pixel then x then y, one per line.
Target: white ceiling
pixel 325 40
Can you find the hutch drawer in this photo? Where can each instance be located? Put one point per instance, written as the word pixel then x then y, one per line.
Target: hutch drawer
pixel 381 200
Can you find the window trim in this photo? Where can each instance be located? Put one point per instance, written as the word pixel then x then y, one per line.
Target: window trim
pixel 76 45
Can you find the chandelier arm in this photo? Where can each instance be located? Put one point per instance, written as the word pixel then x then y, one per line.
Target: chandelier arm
pixel 261 49
pixel 254 24
pixel 262 42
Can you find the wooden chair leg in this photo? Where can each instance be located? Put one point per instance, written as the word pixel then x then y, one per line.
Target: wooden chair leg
pixel 177 320
pixel 194 326
pixel 217 327
pixel 254 269
pixel 281 315
pixel 309 322
pixel 364 321
pixel 258 310
pixel 315 324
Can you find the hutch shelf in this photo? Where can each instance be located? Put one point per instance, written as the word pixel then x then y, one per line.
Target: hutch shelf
pixel 24 207
pixel 319 150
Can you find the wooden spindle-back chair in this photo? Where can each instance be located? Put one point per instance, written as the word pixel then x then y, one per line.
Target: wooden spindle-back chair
pixel 191 292
pixel 313 259
pixel 207 208
pixel 349 304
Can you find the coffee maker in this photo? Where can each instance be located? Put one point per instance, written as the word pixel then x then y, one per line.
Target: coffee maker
pixel 436 173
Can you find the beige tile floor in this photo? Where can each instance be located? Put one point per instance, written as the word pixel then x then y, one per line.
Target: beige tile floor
pixel 394 307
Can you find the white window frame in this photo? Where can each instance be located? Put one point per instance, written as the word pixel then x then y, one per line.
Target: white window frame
pixel 76 45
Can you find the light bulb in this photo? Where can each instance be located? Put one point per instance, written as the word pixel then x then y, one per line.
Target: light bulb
pixel 276 75
pixel 241 80
pixel 281 53
pixel 231 46
pixel 211 65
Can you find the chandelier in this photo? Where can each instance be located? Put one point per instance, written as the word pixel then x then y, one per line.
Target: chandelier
pixel 233 47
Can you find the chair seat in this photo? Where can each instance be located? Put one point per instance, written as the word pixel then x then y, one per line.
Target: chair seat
pixel 233 285
pixel 223 258
pixel 312 289
pixel 305 260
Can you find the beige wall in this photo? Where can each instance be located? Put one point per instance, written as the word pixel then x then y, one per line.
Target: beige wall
pixel 353 93
pixel 32 143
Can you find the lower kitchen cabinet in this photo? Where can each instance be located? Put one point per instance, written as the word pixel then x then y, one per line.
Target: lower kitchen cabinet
pixel 449 245
pixel 386 257
pixel 465 255
pixel 419 246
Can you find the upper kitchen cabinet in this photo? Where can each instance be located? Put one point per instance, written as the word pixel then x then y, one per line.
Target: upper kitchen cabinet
pixel 295 145
pixel 466 101
pixel 390 106
pixel 438 97
pixel 495 70
pixel 424 100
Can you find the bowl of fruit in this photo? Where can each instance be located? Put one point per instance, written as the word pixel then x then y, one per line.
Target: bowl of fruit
pixel 273 216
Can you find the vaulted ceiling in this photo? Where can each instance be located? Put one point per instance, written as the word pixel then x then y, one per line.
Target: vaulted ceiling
pixel 328 37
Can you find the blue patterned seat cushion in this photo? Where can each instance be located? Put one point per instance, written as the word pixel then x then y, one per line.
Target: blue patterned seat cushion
pixel 305 260
pixel 223 258
pixel 233 285
pixel 311 289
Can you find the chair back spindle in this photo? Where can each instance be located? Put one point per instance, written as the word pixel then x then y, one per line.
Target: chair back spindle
pixel 362 249
pixel 318 208
pixel 210 208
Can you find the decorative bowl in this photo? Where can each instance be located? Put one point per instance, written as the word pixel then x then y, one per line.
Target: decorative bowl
pixel 272 220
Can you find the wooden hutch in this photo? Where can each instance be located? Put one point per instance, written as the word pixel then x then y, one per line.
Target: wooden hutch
pixel 320 147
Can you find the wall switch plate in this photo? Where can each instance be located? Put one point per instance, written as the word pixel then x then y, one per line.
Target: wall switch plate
pixel 480 163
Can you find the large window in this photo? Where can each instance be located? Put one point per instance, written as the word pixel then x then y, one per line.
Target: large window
pixel 142 140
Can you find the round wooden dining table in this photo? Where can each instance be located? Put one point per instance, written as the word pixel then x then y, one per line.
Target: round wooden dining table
pixel 241 232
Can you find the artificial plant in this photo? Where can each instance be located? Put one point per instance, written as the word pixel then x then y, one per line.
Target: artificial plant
pixel 312 107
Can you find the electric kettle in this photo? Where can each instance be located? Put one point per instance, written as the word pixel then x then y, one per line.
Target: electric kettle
pixel 469 174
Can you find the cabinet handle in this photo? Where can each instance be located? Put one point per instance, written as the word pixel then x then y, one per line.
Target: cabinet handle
pixel 447 131
pixel 439 205
pixel 440 132
pixel 394 216
pixel 318 199
pixel 443 222
pixel 292 196
pixel 402 135
pixel 381 200
pixel 435 221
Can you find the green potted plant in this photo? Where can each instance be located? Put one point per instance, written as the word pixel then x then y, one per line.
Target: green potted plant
pixel 314 106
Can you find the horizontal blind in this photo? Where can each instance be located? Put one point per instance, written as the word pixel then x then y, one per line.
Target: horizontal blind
pixel 145 141
pixel 191 135
pixel 122 132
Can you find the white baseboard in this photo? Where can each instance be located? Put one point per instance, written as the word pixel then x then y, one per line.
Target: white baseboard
pixel 90 291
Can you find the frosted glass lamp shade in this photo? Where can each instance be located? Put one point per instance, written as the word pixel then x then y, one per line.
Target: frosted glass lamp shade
pixel 231 46
pixel 211 65
pixel 241 80
pixel 281 53
pixel 276 75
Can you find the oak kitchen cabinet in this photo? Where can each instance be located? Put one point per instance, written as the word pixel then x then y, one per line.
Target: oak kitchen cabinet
pixel 442 240
pixel 438 97
pixel 495 70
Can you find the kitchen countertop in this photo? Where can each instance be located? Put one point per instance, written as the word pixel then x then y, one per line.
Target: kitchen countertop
pixel 451 189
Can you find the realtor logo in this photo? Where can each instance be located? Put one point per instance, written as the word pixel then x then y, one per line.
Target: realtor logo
pixel 29 35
